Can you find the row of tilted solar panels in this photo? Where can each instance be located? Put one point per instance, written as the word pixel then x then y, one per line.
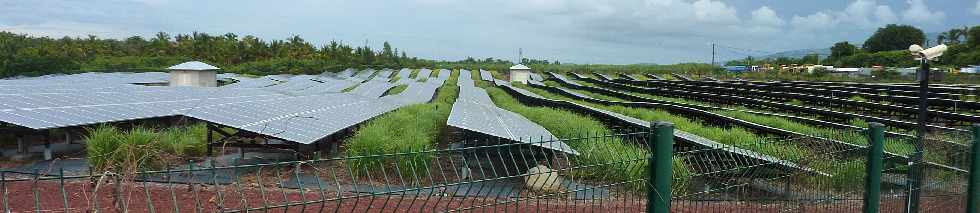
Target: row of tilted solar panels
pixel 302 108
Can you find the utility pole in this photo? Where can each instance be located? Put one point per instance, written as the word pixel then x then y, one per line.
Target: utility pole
pixel 712 54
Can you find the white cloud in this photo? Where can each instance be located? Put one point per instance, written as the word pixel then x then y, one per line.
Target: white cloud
pixel 884 14
pixel 860 15
pixel 816 21
pixel 766 16
pixel 976 9
pixel 919 12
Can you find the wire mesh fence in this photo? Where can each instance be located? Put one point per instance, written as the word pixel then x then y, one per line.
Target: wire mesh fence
pixel 609 173
pixel 478 175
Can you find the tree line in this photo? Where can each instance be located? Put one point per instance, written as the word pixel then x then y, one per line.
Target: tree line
pixel 31 56
pixel 888 46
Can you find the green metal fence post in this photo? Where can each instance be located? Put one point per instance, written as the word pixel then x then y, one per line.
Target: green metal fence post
pixel 872 181
pixel 972 192
pixel 661 142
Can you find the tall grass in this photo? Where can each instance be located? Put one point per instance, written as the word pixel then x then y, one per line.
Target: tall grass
pixel 110 148
pixel 411 128
pixel 396 90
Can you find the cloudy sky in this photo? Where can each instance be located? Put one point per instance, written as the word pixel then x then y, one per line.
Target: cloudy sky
pixel 578 31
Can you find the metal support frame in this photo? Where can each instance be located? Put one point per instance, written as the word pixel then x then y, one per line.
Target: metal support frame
pixel 225 138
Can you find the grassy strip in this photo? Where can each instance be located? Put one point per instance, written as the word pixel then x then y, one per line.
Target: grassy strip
pixel 415 74
pixel 619 158
pixel 394 79
pixel 409 129
pixel 348 89
pixel 110 148
pixel 396 90
pixel 844 170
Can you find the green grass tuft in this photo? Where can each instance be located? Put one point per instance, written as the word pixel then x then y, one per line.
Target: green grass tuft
pixel 396 90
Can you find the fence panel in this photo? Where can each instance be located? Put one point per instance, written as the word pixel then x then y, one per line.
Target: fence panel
pixel 481 175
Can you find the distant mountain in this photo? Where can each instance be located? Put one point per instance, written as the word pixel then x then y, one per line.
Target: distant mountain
pixel 825 52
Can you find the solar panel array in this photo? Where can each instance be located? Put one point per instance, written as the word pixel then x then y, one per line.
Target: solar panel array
pixel 536 77
pixel 485 75
pixel 475 111
pixel 54 110
pixel 420 92
pixel 275 103
pixel 363 75
pixel 373 88
pixel 304 119
pixel 685 136
pixel 423 74
pixel 255 82
pixel 564 79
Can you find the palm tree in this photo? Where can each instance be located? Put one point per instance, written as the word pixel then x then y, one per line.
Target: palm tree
pixel 954 35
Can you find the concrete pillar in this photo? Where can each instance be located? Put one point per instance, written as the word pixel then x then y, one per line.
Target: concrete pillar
pixel 47 148
pixel 67 137
pixel 22 146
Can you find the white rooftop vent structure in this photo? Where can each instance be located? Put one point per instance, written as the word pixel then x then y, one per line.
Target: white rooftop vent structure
pixel 194 74
pixel 520 73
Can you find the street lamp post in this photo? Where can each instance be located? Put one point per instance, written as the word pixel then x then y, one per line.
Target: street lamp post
pixel 915 175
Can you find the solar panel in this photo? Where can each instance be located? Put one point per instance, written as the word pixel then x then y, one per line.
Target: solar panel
pixel 364 74
pixel 475 111
pixel 264 81
pixel 424 74
pixel 468 82
pixel 485 75
pixel 578 75
pixel 404 73
pixel 444 74
pixel 383 75
pixel 296 83
pixel 605 77
pixel 536 77
pixel 345 73
pixel 303 120
pixel 536 83
pixel 54 110
pixel 372 88
pixel 685 136
pixel 521 91
pixel 564 79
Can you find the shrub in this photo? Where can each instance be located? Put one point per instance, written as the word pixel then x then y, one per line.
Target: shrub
pixel 112 149
pixel 102 143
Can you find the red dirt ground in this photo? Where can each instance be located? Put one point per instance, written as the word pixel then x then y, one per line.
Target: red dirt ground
pixel 79 195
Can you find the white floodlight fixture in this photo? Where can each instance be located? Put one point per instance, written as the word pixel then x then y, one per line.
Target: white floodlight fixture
pixel 931 54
